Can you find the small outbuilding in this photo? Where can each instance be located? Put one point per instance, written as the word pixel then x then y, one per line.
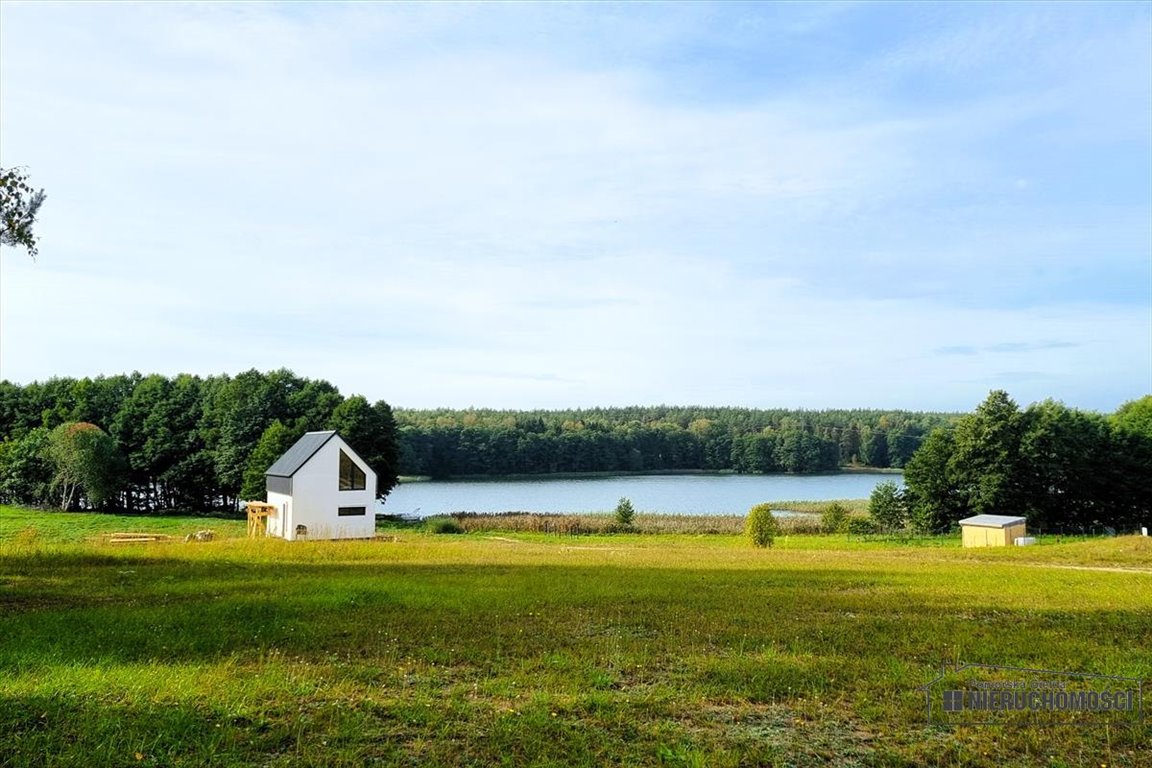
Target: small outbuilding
pixel 321 489
pixel 991 530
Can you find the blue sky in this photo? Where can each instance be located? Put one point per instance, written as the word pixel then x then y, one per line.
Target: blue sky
pixel 543 205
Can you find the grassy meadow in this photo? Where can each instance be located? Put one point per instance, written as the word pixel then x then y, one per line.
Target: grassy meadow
pixel 527 648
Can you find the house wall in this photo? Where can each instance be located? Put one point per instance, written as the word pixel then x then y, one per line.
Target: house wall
pixel 982 536
pixel 975 535
pixel 316 497
pixel 278 522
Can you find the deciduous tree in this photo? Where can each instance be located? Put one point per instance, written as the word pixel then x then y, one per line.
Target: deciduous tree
pixel 371 431
pixel 85 461
pixel 1135 417
pixel 932 491
pixel 760 527
pixel 25 474
pixel 276 439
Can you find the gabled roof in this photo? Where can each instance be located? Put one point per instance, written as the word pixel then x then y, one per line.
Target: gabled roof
pixel 298 455
pixel 992 521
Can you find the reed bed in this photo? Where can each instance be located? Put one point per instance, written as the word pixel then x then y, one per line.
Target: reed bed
pixel 591 524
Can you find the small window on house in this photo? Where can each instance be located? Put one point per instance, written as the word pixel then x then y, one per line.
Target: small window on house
pixel 351 476
pixel 352 511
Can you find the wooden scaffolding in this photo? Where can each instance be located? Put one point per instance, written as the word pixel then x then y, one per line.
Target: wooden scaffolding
pixel 258 512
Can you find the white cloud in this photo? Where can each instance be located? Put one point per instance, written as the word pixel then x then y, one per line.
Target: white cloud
pixel 376 196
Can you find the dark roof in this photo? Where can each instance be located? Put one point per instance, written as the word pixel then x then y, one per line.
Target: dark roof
pixel 298 455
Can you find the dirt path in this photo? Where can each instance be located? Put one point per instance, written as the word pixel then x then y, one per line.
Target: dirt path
pixel 1104 568
pixel 1060 566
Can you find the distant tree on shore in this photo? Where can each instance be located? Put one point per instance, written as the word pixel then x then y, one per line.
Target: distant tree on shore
pixel 449 443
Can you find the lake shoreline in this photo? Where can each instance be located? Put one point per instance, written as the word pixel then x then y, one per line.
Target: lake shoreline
pixel 669 493
pixel 846 470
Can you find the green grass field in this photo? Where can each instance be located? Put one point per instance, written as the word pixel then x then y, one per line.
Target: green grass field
pixel 537 649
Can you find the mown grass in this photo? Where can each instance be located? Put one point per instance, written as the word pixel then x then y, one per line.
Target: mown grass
pixel 53 526
pixel 542 649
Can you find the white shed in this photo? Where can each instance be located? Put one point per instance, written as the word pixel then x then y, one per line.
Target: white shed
pixel 320 489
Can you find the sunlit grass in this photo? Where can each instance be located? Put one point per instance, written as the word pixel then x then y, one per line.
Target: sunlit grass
pixel 55 526
pixel 541 649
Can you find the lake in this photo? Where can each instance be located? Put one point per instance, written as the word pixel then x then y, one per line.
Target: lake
pixel 673 494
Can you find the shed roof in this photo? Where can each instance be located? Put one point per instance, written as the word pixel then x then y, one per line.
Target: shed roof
pixel 991 521
pixel 298 455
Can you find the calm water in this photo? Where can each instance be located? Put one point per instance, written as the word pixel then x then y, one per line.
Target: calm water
pixel 679 494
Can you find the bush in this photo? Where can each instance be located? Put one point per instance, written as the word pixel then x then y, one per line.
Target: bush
pixel 442 525
pixel 625 514
pixel 761 527
pixel 887 507
pixel 834 518
pixel 863 526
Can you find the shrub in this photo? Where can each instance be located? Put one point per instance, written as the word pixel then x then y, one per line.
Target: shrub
pixel 834 518
pixel 761 527
pixel 887 507
pixel 863 526
pixel 625 514
pixel 442 525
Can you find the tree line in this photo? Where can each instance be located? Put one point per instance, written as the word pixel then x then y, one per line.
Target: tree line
pixel 185 443
pixel 450 443
pixel 1058 467
pixel 189 443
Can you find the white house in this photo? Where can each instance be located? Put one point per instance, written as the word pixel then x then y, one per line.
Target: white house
pixel 320 489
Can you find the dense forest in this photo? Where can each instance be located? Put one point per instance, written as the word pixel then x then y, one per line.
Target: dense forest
pixel 186 443
pixel 151 443
pixel 154 443
pixel 452 443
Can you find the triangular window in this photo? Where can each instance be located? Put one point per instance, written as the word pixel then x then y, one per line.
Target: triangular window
pixel 351 476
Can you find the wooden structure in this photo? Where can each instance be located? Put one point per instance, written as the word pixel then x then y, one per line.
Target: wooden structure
pixel 991 530
pixel 258 512
pixel 136 538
